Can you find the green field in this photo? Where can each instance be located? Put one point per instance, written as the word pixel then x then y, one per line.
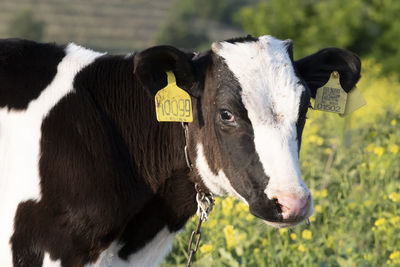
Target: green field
pixel 352 166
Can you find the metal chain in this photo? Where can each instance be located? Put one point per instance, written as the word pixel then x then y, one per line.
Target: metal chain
pixel 191 250
pixel 186 129
pixel 205 205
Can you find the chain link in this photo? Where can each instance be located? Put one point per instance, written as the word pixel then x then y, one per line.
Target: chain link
pixel 205 205
pixel 191 250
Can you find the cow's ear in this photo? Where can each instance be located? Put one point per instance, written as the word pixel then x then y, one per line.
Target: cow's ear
pixel 151 65
pixel 316 68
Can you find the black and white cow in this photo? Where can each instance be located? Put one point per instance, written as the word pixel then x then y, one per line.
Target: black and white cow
pixel 88 177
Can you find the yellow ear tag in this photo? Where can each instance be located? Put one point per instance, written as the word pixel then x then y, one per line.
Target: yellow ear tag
pixel 331 97
pixel 173 103
pixel 355 100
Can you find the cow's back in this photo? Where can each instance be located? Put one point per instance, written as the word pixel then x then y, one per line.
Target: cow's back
pixel 33 79
pixel 26 68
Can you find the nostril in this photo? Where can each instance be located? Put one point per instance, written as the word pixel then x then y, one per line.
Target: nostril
pixel 292 206
pixel 278 205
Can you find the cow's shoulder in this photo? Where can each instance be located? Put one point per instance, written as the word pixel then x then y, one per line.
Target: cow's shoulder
pixel 26 68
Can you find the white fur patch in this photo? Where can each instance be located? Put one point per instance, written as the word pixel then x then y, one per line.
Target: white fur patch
pixel 271 94
pixel 152 254
pixel 217 184
pixel 47 262
pixel 20 143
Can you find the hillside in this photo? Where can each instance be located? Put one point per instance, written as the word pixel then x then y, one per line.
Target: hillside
pixel 117 26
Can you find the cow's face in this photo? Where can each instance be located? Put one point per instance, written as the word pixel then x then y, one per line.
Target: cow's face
pixel 249 114
pixel 254 108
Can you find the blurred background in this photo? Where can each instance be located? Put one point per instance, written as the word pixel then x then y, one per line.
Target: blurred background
pixel 351 164
pixel 367 27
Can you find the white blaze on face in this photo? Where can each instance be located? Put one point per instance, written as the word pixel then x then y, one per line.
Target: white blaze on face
pixel 271 93
pixel 218 184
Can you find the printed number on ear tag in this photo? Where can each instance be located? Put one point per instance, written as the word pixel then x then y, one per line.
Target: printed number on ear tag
pixel 173 103
pixel 331 97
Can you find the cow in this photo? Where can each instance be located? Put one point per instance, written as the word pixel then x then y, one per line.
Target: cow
pixel 89 177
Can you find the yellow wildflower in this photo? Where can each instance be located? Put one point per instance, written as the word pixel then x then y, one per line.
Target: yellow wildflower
pixel 318 208
pixel 293 236
pixel 395 255
pixel 227 205
pixel 379 151
pixel 264 242
pixel 242 236
pixel 393 122
pixel 315 139
pixel 380 222
pixel 256 251
pixel 301 248
pixel 249 217
pixel 212 223
pixel 363 165
pixel 241 207
pixel 312 218
pixel 312 191
pixel 395 220
pixel 371 165
pixel 393 148
pixel 349 251
pixel 370 147
pixel 367 203
pixel 395 197
pixel 229 233
pixel 206 248
pixel 283 231
pixel 223 222
pixel 306 234
pixel 324 193
pixel 352 205
pixel 330 241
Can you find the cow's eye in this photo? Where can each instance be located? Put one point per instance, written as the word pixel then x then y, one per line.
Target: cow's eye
pixel 227 116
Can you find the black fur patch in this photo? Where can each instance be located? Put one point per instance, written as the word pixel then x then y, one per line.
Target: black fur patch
pixel 248 38
pixel 26 68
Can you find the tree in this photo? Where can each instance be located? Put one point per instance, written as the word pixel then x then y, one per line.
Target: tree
pixel 367 27
pixel 191 22
pixel 24 25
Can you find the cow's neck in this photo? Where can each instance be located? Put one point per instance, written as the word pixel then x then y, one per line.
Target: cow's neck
pixel 156 149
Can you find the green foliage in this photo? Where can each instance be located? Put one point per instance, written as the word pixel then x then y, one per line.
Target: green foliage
pixel 24 25
pixel 352 167
pixel 189 21
pixel 367 27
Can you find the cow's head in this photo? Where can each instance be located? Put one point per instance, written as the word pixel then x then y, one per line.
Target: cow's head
pixel 250 104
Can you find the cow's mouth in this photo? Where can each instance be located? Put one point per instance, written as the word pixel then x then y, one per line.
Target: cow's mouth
pixel 279 222
pixel 284 223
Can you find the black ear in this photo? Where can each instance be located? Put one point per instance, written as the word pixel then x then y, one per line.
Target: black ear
pixel 316 68
pixel 289 47
pixel 151 65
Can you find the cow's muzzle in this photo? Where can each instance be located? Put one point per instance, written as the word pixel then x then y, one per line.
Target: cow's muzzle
pixel 283 210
